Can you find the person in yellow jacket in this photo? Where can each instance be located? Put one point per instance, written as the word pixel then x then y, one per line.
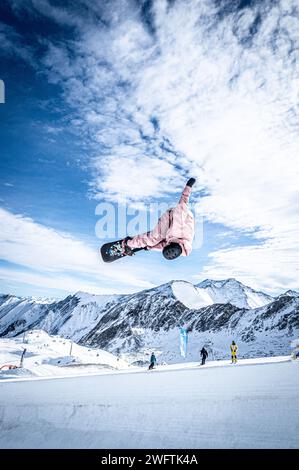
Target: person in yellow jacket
pixel 234 349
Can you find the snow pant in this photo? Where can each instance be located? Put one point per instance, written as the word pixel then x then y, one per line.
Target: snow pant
pixel 203 360
pixel 151 366
pixel 234 359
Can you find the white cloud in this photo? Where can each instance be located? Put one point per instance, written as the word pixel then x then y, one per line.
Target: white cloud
pixel 271 266
pixel 147 176
pixel 57 282
pixel 52 129
pixel 30 244
pixel 203 96
pixel 242 136
pixel 62 260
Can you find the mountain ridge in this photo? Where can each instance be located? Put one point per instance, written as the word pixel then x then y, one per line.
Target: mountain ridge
pixel 133 324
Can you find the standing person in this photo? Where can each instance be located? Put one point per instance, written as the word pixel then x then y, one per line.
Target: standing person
pixel 153 361
pixel 234 349
pixel 295 345
pixel 173 234
pixel 295 354
pixel 204 354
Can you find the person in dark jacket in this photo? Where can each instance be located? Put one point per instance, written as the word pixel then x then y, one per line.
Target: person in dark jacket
pixel 153 361
pixel 204 354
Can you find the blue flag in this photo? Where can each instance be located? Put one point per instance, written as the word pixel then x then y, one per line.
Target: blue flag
pixel 183 341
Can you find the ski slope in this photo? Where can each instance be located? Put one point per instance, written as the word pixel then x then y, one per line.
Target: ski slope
pixel 254 404
pixel 48 355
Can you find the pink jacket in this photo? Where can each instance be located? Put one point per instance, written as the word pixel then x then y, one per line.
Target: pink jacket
pixel 175 225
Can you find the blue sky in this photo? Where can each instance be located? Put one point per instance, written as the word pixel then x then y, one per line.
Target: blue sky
pixel 120 102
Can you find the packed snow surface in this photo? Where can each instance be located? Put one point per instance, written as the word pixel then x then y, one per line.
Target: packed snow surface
pixel 253 404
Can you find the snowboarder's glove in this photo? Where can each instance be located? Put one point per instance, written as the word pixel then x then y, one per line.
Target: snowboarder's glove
pixel 191 182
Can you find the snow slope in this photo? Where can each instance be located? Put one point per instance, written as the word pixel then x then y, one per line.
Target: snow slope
pixel 190 295
pixel 234 292
pixel 251 405
pixel 72 317
pixel 86 313
pixel 50 356
pixel 211 292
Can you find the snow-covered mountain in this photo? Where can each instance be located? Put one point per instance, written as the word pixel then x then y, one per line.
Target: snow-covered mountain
pixel 215 312
pixel 234 292
pixel 210 292
pixel 72 317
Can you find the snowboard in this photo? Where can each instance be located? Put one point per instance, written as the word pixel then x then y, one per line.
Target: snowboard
pixel 113 250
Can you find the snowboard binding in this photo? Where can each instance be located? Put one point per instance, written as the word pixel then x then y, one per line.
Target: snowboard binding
pixel 115 250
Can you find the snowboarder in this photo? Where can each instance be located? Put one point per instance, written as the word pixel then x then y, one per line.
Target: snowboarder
pixel 234 349
pixel 204 354
pixel 153 361
pixel 173 234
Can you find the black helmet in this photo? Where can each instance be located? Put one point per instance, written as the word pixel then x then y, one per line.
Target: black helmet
pixel 172 251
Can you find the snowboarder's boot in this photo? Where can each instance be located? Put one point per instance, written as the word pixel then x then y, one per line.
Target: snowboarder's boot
pixel 126 250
